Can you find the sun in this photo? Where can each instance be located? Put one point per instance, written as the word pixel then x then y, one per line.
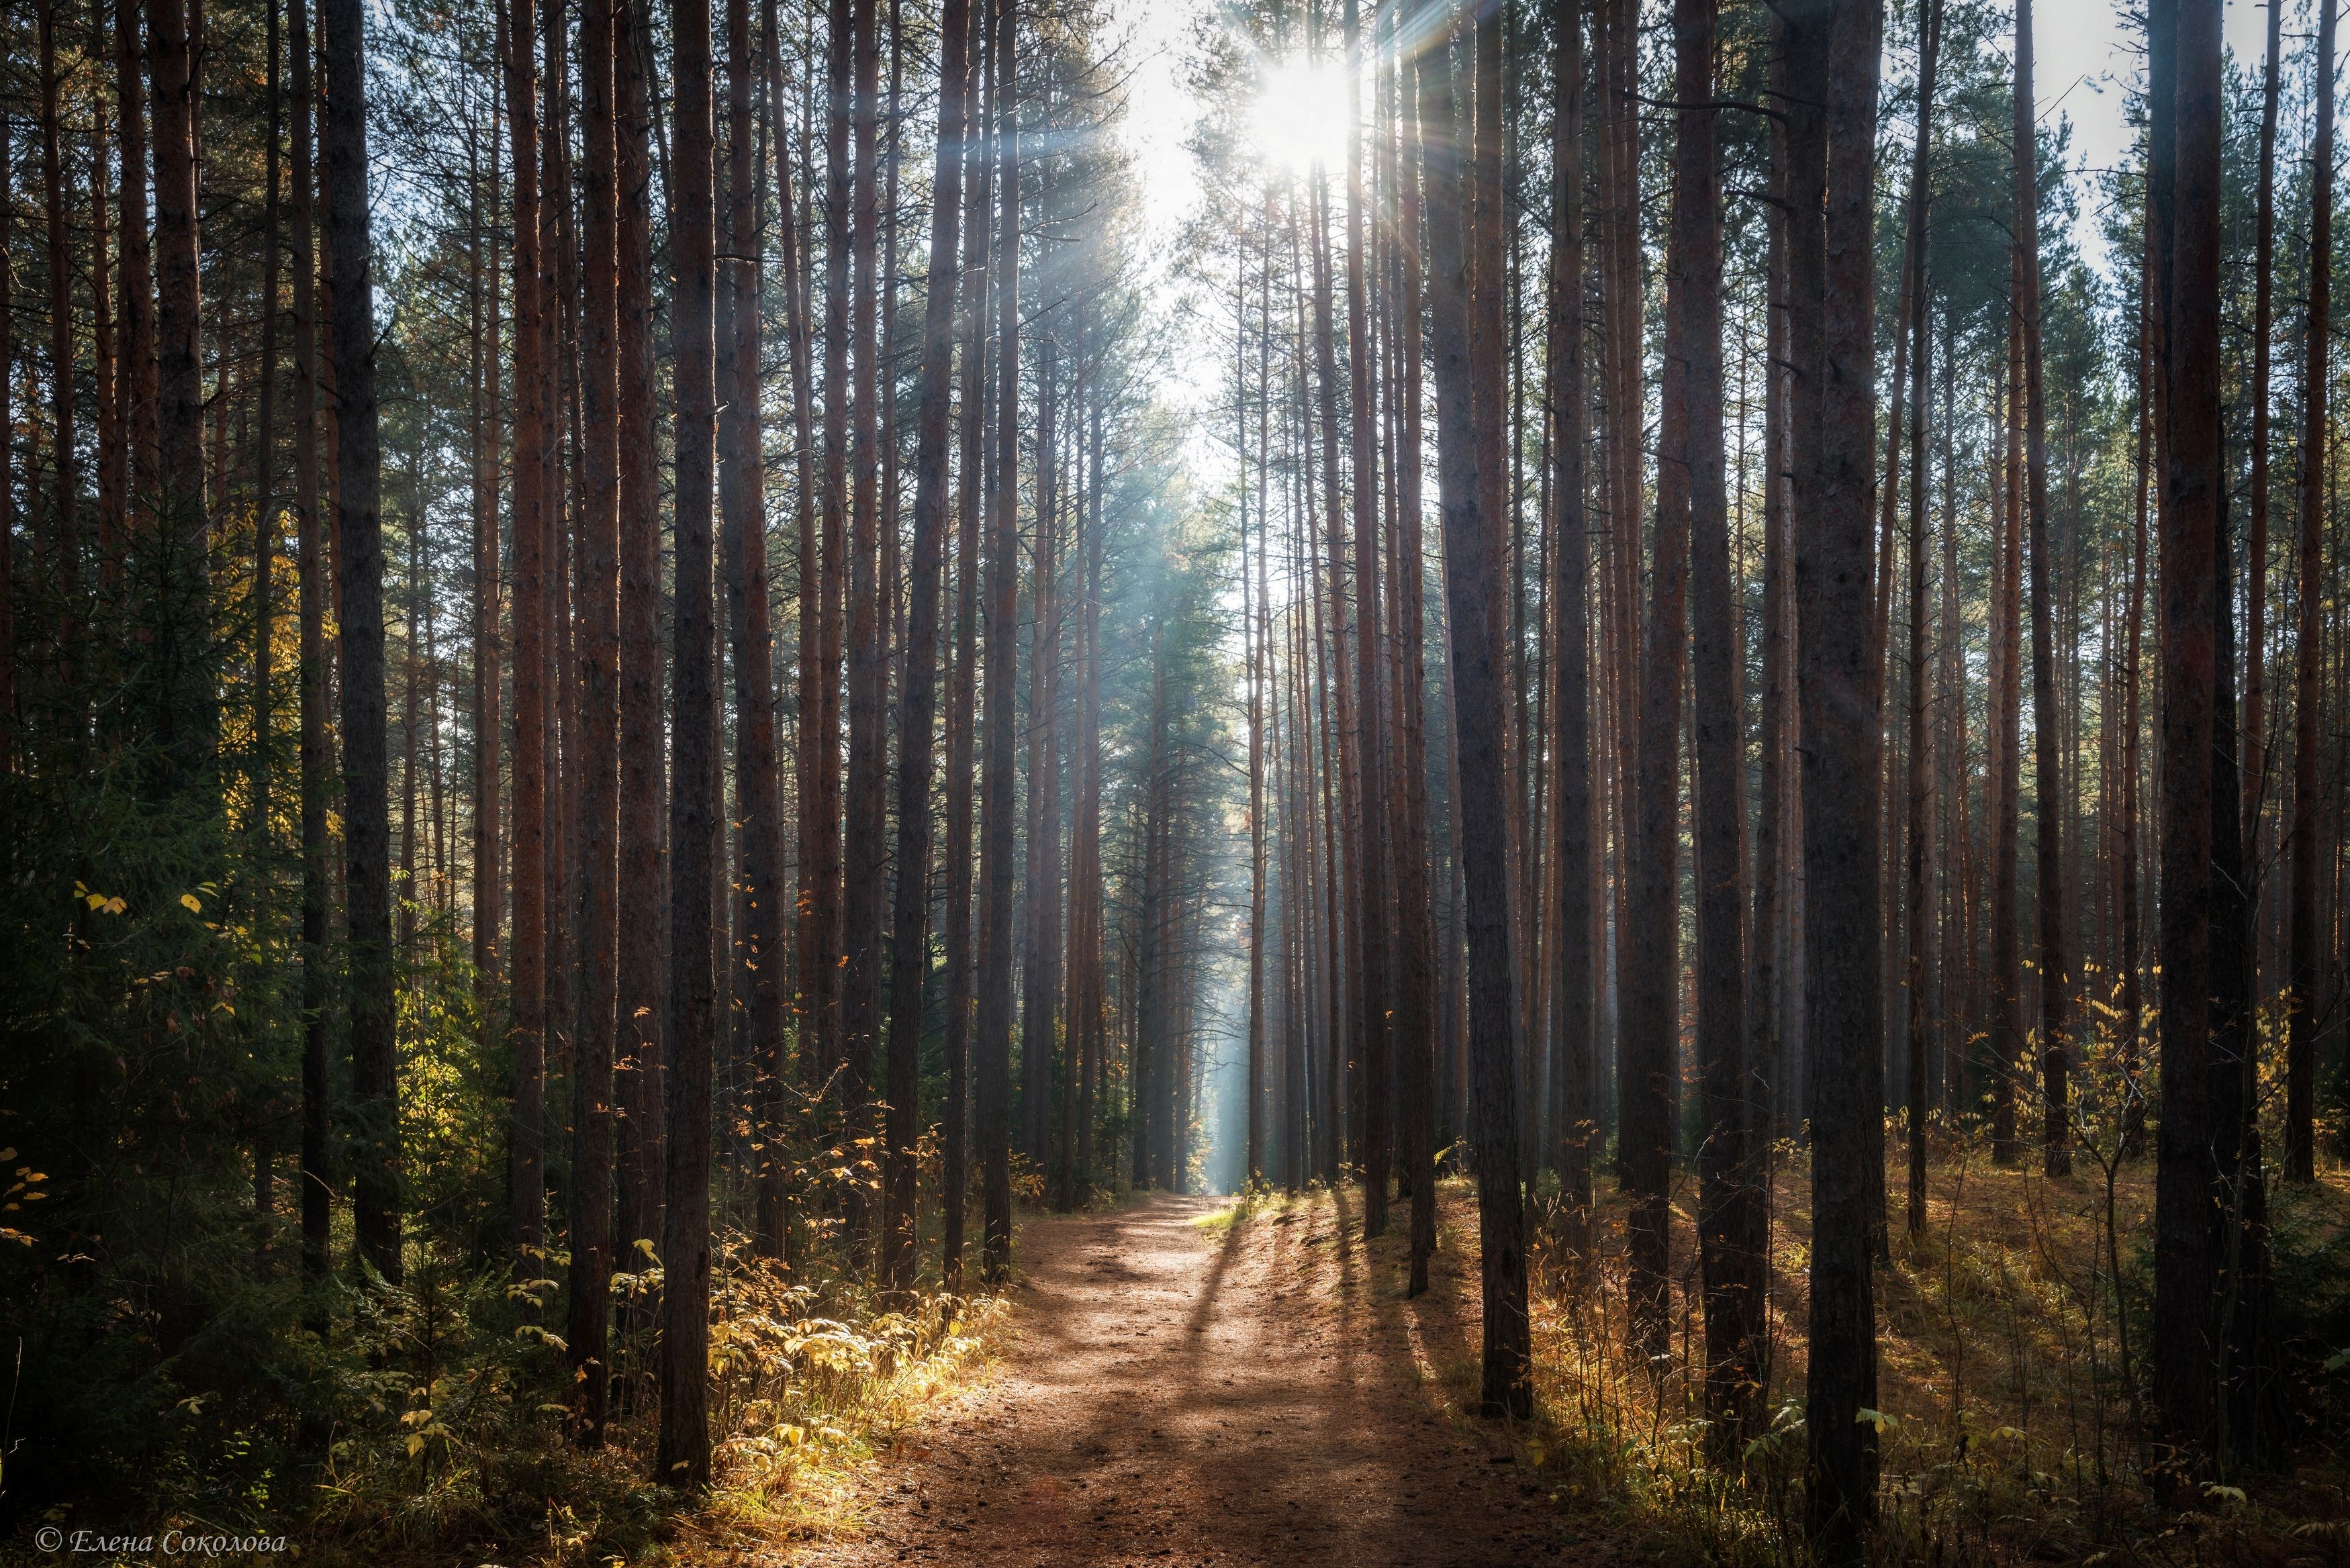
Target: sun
pixel 1299 120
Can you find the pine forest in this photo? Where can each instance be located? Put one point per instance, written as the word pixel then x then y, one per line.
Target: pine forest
pixel 1234 782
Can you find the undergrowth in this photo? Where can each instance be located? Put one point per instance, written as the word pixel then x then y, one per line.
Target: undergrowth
pixel 2012 1428
pixel 439 1429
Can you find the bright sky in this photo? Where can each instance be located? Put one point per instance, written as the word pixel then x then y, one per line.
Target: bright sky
pixel 2087 55
pixel 1155 40
pixel 1155 36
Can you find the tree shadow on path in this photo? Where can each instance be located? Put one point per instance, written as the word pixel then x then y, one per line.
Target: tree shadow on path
pixel 1267 1397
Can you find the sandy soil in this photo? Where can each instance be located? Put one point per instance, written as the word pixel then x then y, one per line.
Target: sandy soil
pixel 1180 1396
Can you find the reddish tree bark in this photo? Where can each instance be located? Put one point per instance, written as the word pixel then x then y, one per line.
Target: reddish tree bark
pixel 910 947
pixel 527 1176
pixel 978 203
pixel 993 1068
pixel 640 1067
pixel 1378 803
pixel 682 1457
pixel 820 855
pixel 597 1041
pixel 1473 596
pixel 2055 964
pixel 1413 1039
pixel 1573 973
pixel 865 861
pixel 1919 798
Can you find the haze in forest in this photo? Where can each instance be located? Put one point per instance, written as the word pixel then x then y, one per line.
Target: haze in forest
pixel 1419 782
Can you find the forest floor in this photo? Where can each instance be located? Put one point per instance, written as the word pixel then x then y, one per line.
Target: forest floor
pixel 1187 1383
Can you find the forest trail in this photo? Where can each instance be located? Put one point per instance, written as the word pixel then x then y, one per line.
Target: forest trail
pixel 1176 1396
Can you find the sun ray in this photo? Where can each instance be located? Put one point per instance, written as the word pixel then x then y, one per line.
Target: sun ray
pixel 1299 120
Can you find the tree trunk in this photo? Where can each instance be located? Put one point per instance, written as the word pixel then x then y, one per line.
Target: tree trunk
pixel 366 829
pixel 640 1071
pixel 1833 62
pixel 1730 1215
pixel 1770 941
pixel 866 845
pixel 1040 908
pixel 134 270
pixel 2183 176
pixel 1651 1011
pixel 265 517
pixel 2305 928
pixel 1622 290
pixel 113 466
pixel 683 1455
pixel 2055 964
pixel 820 857
pixel 558 373
pixel 2256 547
pixel 2006 740
pixel 1084 962
pixel 742 506
pixel 773 1224
pixel 1252 617
pixel 1921 801
pixel 598 1039
pixel 1413 1039
pixel 185 726
pixel 1377 802
pixel 977 198
pixel 315 760
pixel 1474 604
pixel 993 1066
pixel 1573 972
pixel 531 846
pixel 8 713
pixel 910 946
pixel 481 310
pixel 64 522
pixel 2132 1001
pixel 2238 1239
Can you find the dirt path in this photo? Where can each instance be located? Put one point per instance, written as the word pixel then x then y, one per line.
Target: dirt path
pixel 1178 1396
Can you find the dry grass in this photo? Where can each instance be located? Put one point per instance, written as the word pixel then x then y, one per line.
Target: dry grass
pixel 809 1386
pixel 2011 1428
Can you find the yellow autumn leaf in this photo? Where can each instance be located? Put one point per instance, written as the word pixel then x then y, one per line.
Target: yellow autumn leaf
pixel 190 903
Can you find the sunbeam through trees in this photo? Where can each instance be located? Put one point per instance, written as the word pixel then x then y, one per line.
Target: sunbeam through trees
pixel 1264 781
